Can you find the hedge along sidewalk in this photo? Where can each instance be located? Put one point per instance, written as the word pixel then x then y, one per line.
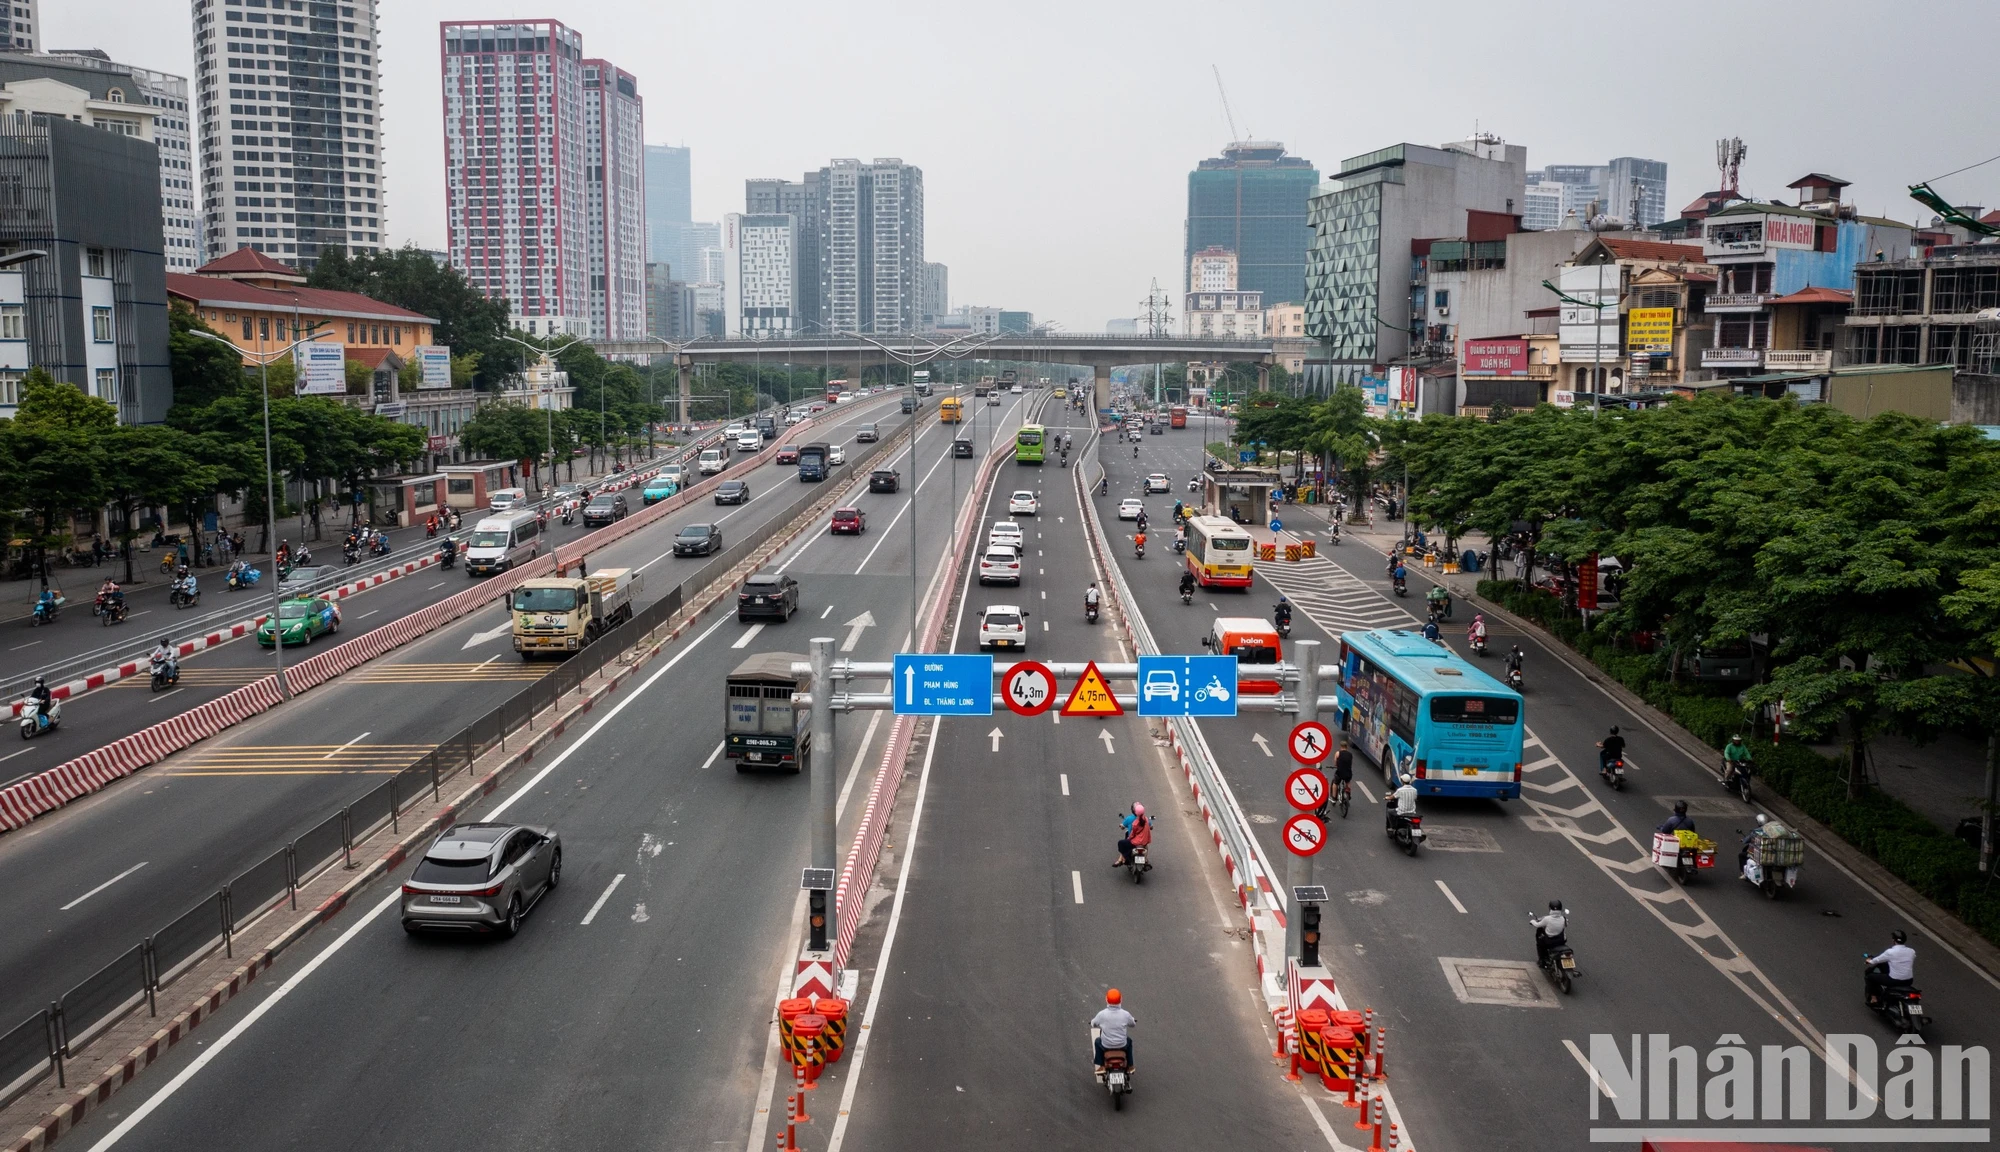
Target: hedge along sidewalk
pixel 117 1056
pixel 1940 924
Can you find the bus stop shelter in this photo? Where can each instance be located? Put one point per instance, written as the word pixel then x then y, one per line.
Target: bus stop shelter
pixel 1241 494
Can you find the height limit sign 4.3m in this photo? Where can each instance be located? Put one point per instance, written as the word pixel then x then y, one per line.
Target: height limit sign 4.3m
pixel 1029 688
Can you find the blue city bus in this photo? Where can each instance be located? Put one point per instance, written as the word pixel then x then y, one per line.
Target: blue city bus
pixel 1405 701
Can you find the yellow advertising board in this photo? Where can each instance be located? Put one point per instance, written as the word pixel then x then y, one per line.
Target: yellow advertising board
pixel 1649 328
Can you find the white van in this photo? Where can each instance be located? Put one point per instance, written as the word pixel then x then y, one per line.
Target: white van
pixel 507 499
pixel 500 542
pixel 711 462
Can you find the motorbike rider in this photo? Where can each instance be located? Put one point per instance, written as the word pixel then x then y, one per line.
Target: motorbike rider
pixel 1281 613
pixel 1477 632
pixel 1405 802
pixel 44 700
pixel 1180 539
pixel 47 604
pixel 1610 748
pixel 1090 595
pixel 1397 572
pixel 1431 632
pixel 1139 521
pixel 1114 1030
pixel 1139 543
pixel 284 553
pixel 1735 758
pixel 449 549
pixel 184 580
pixel 1679 821
pixel 1901 960
pixel 111 598
pixel 1438 598
pixel 1549 931
pixel 1514 659
pixel 1135 830
pixel 1187 582
pixel 1743 849
pixel 165 657
pixel 1104 486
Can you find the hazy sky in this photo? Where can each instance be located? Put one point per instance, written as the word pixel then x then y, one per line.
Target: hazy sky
pixel 1056 138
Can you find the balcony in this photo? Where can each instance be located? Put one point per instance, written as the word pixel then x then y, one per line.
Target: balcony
pixel 1737 301
pixel 1732 357
pixel 1798 360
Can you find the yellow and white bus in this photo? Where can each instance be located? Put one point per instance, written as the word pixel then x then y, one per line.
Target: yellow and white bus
pixel 1218 552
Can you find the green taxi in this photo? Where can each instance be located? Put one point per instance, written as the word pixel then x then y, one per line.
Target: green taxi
pixel 300 619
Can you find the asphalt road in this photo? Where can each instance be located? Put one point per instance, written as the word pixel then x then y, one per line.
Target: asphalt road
pixel 1714 960
pixel 645 1026
pixel 174 833
pixel 1012 924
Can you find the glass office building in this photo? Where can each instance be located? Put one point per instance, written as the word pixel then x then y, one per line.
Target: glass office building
pixel 1252 201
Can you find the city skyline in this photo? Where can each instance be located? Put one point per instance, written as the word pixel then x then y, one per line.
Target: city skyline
pixel 977 224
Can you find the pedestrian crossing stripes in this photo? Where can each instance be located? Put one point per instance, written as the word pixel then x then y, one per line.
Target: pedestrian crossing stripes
pixel 1333 597
pixel 298 760
pixel 507 668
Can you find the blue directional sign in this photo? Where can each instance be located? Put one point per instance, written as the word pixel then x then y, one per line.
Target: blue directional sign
pixel 1246 456
pixel 943 684
pixel 1187 685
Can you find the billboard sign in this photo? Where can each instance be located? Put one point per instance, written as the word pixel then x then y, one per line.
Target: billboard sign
pixel 1649 328
pixel 322 369
pixel 1495 358
pixel 435 360
pixel 1789 232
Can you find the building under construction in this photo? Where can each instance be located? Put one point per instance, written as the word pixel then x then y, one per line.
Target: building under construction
pixel 1942 309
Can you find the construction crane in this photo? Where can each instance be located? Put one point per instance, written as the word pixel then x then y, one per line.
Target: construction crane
pixel 1234 135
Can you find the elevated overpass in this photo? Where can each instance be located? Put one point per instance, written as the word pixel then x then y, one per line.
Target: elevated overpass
pixel 1098 352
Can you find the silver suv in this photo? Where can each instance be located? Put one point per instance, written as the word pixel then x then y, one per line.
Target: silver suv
pixel 482 878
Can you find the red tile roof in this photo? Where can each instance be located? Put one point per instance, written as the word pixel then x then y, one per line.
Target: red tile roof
pixel 1992 217
pixel 372 357
pixel 1654 250
pixel 246 260
pixel 210 291
pixel 1814 295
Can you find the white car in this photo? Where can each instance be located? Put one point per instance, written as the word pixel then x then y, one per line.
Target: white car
pixel 711 461
pixel 1023 503
pixel 1158 482
pixel 1129 508
pixel 1000 564
pixel 1007 532
pixel 1161 683
pixel 732 431
pixel 795 416
pixel 750 441
pixel 1002 626
pixel 836 455
pixel 676 473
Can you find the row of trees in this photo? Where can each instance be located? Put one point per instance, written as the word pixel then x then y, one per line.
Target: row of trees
pixel 1867 553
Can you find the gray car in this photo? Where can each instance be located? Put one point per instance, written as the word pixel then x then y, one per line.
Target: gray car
pixel 482 878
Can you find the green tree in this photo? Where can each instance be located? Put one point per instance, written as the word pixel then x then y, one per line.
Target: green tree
pixel 203 369
pixel 55 455
pixel 153 465
pixel 470 323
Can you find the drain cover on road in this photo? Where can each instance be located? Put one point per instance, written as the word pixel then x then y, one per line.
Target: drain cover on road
pixel 1514 983
pixel 1458 838
pixel 1706 805
pixel 1558 824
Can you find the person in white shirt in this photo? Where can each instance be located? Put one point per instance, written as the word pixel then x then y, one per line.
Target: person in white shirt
pixel 1114 1029
pixel 1901 960
pixel 1405 802
pixel 1549 931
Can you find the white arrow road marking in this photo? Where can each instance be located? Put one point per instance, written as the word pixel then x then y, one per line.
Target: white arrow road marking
pixel 491 634
pixel 854 627
pixel 1105 735
pixel 996 734
pixel 1260 742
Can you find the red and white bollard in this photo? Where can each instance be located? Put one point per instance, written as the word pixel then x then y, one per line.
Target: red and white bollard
pixel 1395 1140
pixel 1381 1042
pixel 1376 1144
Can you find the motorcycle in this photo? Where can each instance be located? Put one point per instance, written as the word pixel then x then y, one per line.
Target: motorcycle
pixel 1089 613
pixel 1283 622
pixel 569 513
pixel 350 553
pixel 184 594
pixel 1440 604
pixel 166 673
pixel 1478 645
pixel 1187 595
pixel 448 557
pixel 1116 1075
pixel 1408 833
pixel 1402 587
pixel 1559 965
pixel 32 725
pixel 110 611
pixel 1514 679
pixel 379 548
pixel 1735 777
pixel 1180 546
pixel 1138 549
pixel 45 611
pixel 1903 1008
pixel 247 578
pixel 1612 771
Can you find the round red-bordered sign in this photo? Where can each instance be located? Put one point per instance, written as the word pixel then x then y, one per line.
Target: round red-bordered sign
pixel 1311 742
pixel 1304 835
pixel 1029 687
pixel 1305 789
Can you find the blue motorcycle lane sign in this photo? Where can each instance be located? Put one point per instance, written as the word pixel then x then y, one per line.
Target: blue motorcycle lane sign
pixel 1187 686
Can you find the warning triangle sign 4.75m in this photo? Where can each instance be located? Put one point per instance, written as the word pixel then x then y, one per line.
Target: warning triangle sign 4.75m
pixel 1091 696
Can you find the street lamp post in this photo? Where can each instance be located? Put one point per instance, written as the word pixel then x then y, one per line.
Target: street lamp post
pixel 549 409
pixel 264 361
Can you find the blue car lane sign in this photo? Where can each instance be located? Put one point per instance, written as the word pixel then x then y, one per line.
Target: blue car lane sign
pixel 1187 685
pixel 942 684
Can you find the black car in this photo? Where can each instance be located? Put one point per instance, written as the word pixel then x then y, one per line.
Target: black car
pixel 909 404
pixel 884 480
pixel 961 447
pixel 767 594
pixel 698 540
pixel 604 508
pixel 732 492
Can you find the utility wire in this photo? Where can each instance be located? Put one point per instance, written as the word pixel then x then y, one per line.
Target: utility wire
pixel 1967 168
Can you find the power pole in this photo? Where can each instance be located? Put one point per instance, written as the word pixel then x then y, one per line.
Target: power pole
pixel 1159 322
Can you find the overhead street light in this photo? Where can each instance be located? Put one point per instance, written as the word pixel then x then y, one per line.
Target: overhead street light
pixel 550 408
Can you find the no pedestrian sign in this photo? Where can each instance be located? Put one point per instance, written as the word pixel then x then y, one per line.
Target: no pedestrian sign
pixel 1304 835
pixel 1092 696
pixel 1310 742
pixel 1029 688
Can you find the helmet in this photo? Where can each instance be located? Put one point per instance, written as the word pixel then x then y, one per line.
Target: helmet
pixel 1898 936
pixel 40 680
pixel 1407 778
pixel 1138 809
pixel 164 641
pixel 1114 997
pixel 1555 905
pixel 1680 807
pixel 1736 739
pixel 1614 729
pixel 1761 818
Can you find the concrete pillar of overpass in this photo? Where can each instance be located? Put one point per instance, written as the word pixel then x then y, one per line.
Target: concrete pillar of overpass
pixel 1100 389
pixel 1264 375
pixel 685 365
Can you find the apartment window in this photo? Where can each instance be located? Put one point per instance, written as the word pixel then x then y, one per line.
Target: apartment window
pixel 96 262
pixel 249 332
pixel 350 331
pixel 100 325
pixel 10 387
pixel 263 327
pixel 13 322
pixel 107 384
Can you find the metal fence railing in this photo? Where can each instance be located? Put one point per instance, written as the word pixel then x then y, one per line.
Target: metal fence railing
pixel 43 1042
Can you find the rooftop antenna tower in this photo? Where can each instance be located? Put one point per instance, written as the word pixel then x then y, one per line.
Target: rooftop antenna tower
pixel 1729 158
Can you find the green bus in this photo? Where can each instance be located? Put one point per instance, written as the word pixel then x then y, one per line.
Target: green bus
pixel 1028 444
